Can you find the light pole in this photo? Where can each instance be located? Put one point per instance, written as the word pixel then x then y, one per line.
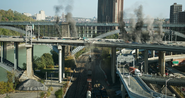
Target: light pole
pixel 133 62
pixel 129 76
pixel 166 86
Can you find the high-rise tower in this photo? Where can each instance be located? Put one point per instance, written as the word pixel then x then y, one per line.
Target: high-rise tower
pixel 109 10
pixel 174 12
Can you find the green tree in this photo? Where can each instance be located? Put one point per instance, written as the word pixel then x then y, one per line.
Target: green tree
pixel 54 56
pixel 0 17
pixel 115 36
pixel 13 16
pixel 39 62
pixel 48 59
pixel 10 76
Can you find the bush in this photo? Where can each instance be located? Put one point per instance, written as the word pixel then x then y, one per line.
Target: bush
pixel 48 93
pixel 50 66
pixel 59 93
pixel 42 94
pixel 2 87
pixel 6 87
pixel 51 88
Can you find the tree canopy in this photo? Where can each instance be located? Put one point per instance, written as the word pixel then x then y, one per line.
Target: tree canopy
pixel 13 16
pixel 42 62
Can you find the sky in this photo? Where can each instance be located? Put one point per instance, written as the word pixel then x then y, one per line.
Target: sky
pixel 88 8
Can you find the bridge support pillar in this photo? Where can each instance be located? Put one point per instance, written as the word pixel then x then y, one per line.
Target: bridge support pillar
pixel 137 55
pixel 171 53
pixel 15 55
pixel 146 61
pixel 61 62
pixel 1 52
pixel 113 63
pixel 123 91
pixel 153 53
pixel 29 57
pixel 162 62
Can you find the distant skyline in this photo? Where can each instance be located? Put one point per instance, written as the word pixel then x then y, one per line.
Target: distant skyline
pixel 88 8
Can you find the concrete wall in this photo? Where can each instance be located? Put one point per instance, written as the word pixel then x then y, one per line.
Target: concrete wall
pixel 66 33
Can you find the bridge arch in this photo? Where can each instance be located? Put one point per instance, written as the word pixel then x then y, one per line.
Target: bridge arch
pixel 118 31
pixel 14 29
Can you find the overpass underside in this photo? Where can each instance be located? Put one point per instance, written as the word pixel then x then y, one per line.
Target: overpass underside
pixel 162 80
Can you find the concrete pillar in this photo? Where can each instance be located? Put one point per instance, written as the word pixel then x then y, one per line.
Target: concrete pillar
pixel 1 52
pixel 29 66
pixel 162 62
pixel 60 63
pixel 113 63
pixel 153 53
pixel 171 53
pixel 146 61
pixel 123 91
pixel 15 55
pixel 137 55
pixel 4 50
pixel 63 63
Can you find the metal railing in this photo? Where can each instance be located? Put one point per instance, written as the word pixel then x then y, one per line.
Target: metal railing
pixel 138 92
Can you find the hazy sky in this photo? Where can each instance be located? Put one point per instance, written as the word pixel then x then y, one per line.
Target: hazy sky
pixel 88 8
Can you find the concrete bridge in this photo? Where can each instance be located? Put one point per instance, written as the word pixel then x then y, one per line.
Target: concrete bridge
pixel 61 48
pixel 62 43
pixel 83 29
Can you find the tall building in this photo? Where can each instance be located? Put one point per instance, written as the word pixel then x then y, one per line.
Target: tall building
pixel 109 10
pixel 41 15
pixel 174 12
pixel 182 17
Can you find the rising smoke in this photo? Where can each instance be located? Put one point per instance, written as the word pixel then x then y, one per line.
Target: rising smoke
pixel 149 21
pixel 138 28
pixel 68 6
pixel 137 34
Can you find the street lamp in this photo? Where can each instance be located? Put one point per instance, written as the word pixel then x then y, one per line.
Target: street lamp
pixel 123 67
pixel 129 76
pixel 166 85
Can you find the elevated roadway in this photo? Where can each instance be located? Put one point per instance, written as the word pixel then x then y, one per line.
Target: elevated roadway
pixel 135 87
pixel 100 44
pixel 83 24
pixel 162 80
pixel 9 66
pixel 175 81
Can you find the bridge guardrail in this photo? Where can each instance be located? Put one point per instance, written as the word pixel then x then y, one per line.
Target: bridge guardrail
pixel 131 93
pixel 154 93
pixel 151 92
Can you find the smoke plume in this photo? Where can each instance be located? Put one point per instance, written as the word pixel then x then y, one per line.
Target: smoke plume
pixel 138 28
pixel 122 26
pixel 66 5
pixel 149 22
pixel 160 35
pixel 72 22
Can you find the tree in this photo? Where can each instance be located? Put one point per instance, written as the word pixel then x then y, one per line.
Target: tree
pixel 38 62
pixel 54 56
pixel 0 17
pixel 48 59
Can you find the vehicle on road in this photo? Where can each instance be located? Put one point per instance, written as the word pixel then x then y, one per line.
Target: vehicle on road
pixel 135 71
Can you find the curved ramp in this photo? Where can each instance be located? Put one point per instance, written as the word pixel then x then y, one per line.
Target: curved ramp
pixel 117 31
pixel 14 29
pixel 100 36
pixel 24 32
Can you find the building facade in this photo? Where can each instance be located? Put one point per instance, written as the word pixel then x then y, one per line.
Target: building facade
pixel 109 11
pixel 174 12
pixel 41 15
pixel 182 17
